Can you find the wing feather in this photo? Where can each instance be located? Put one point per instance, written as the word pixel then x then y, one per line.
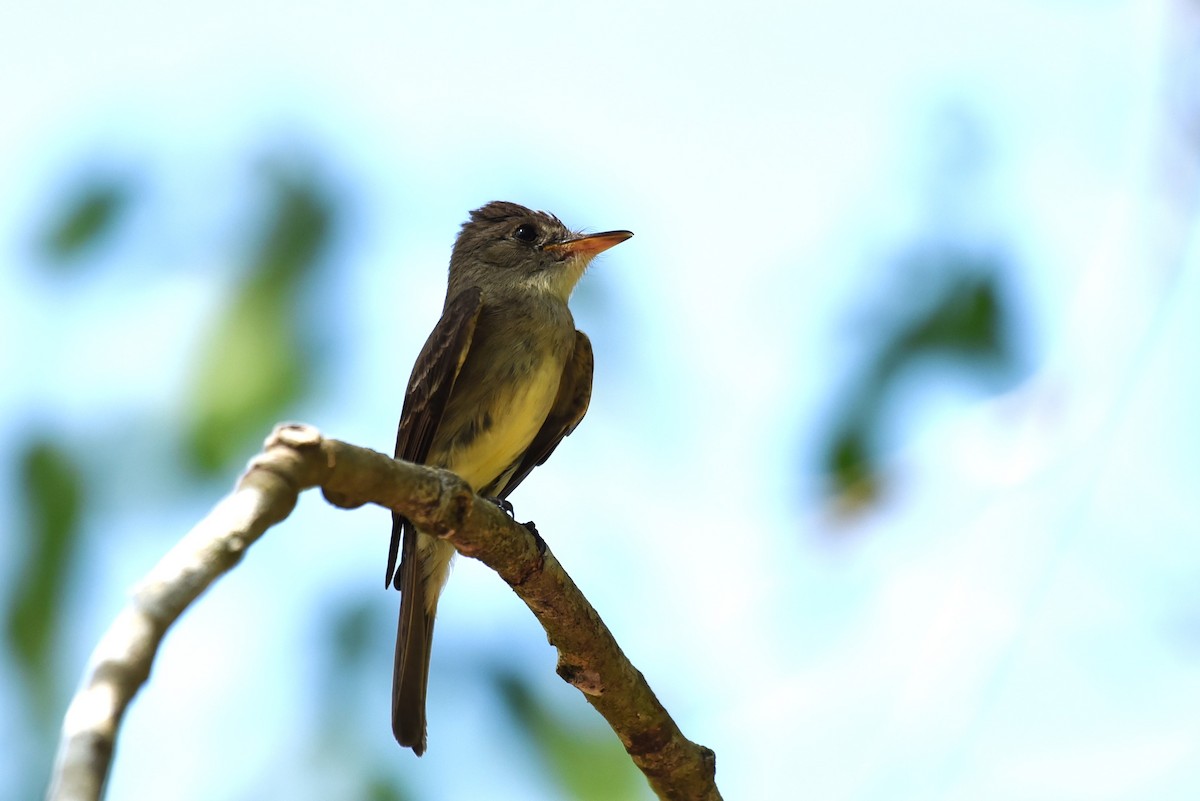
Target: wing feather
pixel 429 388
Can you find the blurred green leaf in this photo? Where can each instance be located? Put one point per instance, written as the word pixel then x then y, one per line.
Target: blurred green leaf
pixel 587 761
pixel 298 228
pixel 959 315
pixel 850 466
pixel 967 317
pixel 250 370
pixel 949 308
pixel 52 486
pixel 89 215
pixel 254 366
pixel 384 788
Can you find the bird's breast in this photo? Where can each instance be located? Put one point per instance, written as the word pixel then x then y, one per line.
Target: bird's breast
pixel 494 417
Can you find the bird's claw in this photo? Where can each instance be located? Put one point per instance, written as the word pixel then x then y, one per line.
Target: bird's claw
pixel 537 538
pixel 504 505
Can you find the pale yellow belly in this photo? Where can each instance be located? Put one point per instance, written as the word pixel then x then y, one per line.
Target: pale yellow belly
pixel 515 422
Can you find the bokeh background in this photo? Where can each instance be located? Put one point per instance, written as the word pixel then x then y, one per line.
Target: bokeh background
pixel 889 482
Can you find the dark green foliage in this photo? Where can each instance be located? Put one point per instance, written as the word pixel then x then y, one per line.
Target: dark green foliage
pixel 52 488
pixel 87 217
pixel 954 312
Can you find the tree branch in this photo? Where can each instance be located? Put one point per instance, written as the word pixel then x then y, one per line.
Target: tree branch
pixel 297 457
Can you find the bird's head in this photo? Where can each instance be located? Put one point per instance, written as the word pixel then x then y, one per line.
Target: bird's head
pixel 505 246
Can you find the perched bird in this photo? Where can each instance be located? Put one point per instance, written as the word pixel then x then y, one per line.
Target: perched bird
pixel 503 377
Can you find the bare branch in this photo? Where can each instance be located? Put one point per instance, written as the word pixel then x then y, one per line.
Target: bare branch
pixel 297 457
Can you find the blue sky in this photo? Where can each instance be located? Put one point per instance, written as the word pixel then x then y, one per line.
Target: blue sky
pixel 1015 619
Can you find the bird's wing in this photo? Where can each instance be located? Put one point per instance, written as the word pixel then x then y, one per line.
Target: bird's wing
pixel 570 405
pixel 429 389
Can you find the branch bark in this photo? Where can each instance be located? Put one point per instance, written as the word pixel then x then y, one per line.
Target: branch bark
pixel 297 457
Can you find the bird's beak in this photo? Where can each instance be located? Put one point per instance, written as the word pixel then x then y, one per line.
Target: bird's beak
pixel 588 246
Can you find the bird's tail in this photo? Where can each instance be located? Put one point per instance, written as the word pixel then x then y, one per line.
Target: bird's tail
pixel 410 676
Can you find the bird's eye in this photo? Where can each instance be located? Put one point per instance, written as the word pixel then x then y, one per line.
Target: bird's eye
pixel 526 233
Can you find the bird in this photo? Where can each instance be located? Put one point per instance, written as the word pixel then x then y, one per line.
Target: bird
pixel 501 379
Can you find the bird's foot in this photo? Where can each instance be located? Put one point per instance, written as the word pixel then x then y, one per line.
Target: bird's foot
pixel 506 506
